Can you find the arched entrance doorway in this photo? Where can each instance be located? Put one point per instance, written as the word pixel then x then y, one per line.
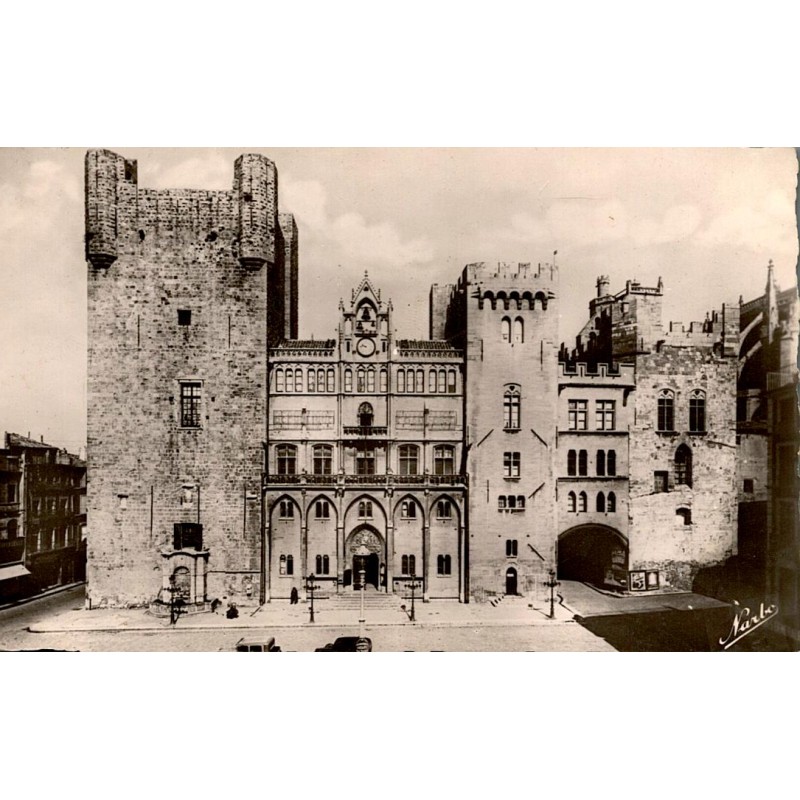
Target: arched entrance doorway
pixel 593 554
pixel 365 556
pixel 511 581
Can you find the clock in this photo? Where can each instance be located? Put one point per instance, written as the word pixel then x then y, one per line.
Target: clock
pixel 365 347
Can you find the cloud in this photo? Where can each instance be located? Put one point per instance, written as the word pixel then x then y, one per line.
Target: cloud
pixel 349 236
pixel 212 172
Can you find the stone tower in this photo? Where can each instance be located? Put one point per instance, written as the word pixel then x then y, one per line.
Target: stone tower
pixel 179 320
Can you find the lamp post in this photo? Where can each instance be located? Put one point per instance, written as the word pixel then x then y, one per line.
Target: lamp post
pixel 551 584
pixel 310 587
pixel 362 576
pixel 413 585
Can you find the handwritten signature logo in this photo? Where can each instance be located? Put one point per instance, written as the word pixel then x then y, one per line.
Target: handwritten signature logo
pixel 744 622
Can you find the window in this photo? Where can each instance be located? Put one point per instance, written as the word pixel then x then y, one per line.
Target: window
pixel 601 462
pixel 451 381
pixel 571 502
pixel 611 502
pixel 361 384
pixel 312 380
pixel 322 510
pixel 519 331
pixel 660 481
pixel 511 502
pixel 443 460
pixel 323 565
pixel 401 380
pixel 511 462
pixel 432 381
pixel 331 380
pixel 572 463
pixel 279 380
pixel 323 459
pixel 511 408
pixel 408 509
pixel 582 501
pixel 577 415
pixel 443 564
pixel 505 329
pixel 749 486
pixel 583 462
pixel 409 459
pixel 666 410
pixel 511 548
pixel 348 380
pixel 190 405
pixel 441 381
pixel 286 459
pixel 408 565
pixel 184 316
pixel 683 466
pixel 611 463
pixel 11 493
pixel 365 415
pixel 605 415
pixel 365 509
pixel 444 509
pixel 600 502
pixel 289 380
pixel 697 411
pixel 365 461
pixel 685 515
pixel 384 380
pixel 370 380
pixel 286 509
pixel 289 565
pixel 13 530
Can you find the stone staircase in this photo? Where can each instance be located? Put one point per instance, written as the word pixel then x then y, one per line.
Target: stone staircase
pixel 373 601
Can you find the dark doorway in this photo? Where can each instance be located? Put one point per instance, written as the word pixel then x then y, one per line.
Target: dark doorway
pixel 511 581
pixel 371 566
pixel 593 554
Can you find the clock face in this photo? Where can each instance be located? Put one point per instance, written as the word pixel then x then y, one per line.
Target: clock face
pixel 365 347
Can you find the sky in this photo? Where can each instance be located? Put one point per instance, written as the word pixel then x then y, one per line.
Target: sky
pixel 707 221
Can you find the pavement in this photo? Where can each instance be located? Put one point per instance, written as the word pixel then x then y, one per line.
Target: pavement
pixel 279 614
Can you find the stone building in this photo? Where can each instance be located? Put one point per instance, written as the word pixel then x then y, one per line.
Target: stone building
pixel 769 441
pixel 13 573
pixel 49 548
pixel 228 459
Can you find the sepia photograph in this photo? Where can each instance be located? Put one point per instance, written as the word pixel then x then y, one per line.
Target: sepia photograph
pixel 400 399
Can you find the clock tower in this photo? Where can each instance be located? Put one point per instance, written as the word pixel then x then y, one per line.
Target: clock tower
pixel 365 331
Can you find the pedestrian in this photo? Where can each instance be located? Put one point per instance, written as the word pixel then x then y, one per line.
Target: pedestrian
pixel 232 612
pixel 293 596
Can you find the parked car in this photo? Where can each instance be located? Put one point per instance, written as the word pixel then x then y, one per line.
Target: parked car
pixel 347 644
pixel 257 645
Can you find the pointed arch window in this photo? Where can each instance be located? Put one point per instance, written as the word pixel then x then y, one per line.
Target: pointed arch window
pixel 611 502
pixel 384 385
pixel 611 463
pixel 666 410
pixel 331 380
pixel 348 380
pixel 519 330
pixel 683 466
pixel 583 462
pixel 451 381
pixel 279 380
pixel 420 381
pixel 505 329
pixel 401 380
pixel 571 502
pixel 601 462
pixel 441 381
pixel 572 462
pixel 582 501
pixel 511 408
pixel 371 379
pixel 600 502
pixel 432 381
pixel 697 411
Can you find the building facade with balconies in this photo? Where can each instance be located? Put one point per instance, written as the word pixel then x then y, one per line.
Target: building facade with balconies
pixel 365 459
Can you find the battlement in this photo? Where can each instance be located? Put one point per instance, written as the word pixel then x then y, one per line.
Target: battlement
pixel 719 328
pixel 513 273
pixel 611 374
pixel 121 216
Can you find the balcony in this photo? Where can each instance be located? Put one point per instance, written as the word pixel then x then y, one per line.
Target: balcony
pixel 378 480
pixel 365 431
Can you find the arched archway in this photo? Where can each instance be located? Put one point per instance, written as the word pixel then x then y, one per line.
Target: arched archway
pixel 595 554
pixel 365 555
pixel 511 581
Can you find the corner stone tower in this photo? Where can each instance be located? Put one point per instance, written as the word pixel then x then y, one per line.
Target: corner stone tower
pixel 177 385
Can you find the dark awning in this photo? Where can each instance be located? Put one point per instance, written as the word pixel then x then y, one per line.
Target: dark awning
pixel 13 571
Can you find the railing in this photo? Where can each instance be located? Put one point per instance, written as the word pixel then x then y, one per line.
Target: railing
pixel 385 479
pixel 784 377
pixel 365 430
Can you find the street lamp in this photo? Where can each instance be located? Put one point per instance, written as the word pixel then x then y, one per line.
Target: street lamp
pixel 413 585
pixel 362 576
pixel 310 587
pixel 551 584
